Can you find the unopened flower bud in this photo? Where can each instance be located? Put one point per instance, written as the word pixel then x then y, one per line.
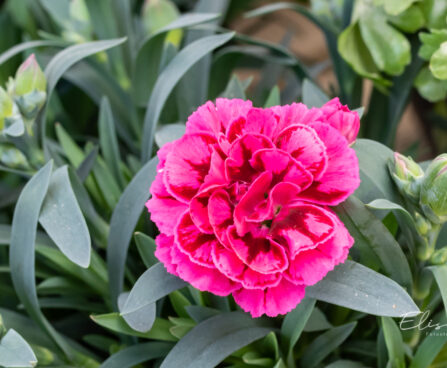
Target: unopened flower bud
pixel 29 77
pixel 433 199
pixel 6 107
pixel 439 257
pixel 423 226
pixel 12 157
pixel 407 175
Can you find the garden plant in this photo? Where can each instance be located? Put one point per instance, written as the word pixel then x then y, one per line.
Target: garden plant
pixel 159 208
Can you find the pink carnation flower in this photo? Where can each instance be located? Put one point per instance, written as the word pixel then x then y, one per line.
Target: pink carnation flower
pixel 241 200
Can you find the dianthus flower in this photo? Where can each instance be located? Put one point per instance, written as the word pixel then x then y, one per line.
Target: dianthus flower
pixel 242 200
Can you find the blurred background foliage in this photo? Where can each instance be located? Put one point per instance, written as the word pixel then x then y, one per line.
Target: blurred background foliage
pixel 111 104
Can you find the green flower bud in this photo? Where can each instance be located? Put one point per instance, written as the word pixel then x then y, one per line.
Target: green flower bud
pixel 6 107
pixel 423 226
pixel 13 158
pixel 29 77
pixel 433 199
pixel 439 257
pixel 407 175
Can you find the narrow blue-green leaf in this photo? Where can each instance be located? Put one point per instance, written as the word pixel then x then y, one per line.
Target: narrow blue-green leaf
pixel 357 287
pixel 313 96
pixel 440 273
pixel 63 221
pixel 22 249
pixel 394 343
pixel 153 285
pixel 140 320
pixel 345 364
pixel 108 140
pixel 71 55
pixel 168 79
pixel 274 98
pixel 86 166
pixel 137 354
pixel 149 55
pixel 123 222
pixel 372 232
pixel 13 51
pixel 234 89
pixel 324 344
pixel 376 181
pixel 15 351
pixel 294 323
pixel 211 341
pixel 146 247
pixel 428 350
pixel 169 133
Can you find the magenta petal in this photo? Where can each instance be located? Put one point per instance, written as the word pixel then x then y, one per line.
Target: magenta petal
pixel 164 252
pixel 187 165
pixel 282 166
pixel 302 226
pixel 311 266
pixel 165 213
pixel 202 278
pixel 253 205
pixel 347 122
pixel 270 301
pixel 220 212
pixel 193 242
pixel 257 121
pixel 341 177
pixel 237 165
pixel 296 113
pixel 303 144
pixel 260 254
pixel 231 266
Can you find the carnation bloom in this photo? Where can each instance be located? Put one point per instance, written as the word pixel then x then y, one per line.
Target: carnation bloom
pixel 241 200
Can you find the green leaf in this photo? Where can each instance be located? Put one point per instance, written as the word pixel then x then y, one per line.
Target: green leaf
pixel 274 98
pixel 199 313
pixel 108 140
pixel 146 247
pixel 294 323
pixel 440 274
pixel 375 179
pixel 396 7
pixel 13 51
pixel 324 344
pixel 394 343
pixel 147 64
pixel 313 96
pixel 357 287
pixel 179 303
pixel 211 341
pixel 22 257
pixel 373 233
pixel 234 89
pixel 410 20
pixel 431 42
pixel 389 48
pixel 429 87
pixel 169 133
pixel 86 166
pixel 122 224
pixel 435 12
pixel 345 364
pixel 63 221
pixel 15 351
pixel 168 79
pixel 428 350
pixel 356 53
pixel 317 321
pixel 153 285
pixel 71 55
pixel 438 62
pixel 116 323
pixel 137 354
pixel 141 320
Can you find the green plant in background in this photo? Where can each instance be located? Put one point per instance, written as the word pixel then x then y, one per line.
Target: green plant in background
pixel 79 283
